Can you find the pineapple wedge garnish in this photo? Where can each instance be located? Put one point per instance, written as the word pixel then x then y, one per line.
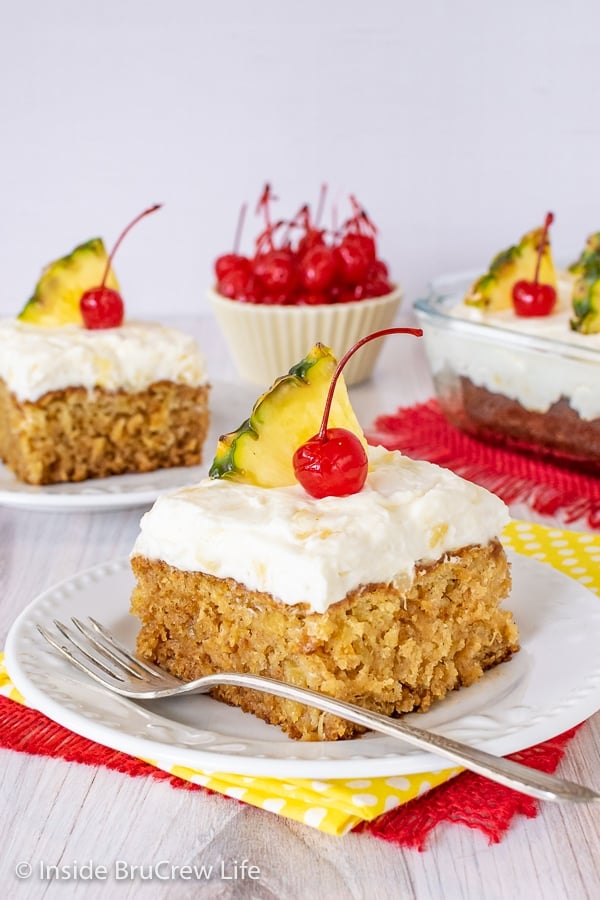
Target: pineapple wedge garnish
pixel 261 450
pixel 55 299
pixel 493 291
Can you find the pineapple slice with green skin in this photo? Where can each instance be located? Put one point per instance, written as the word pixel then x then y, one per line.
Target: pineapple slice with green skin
pixel 55 300
pixel 586 288
pixel 588 263
pixel 586 304
pixel 261 451
pixel 493 291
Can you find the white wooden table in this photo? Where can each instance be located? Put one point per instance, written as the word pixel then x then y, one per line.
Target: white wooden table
pixel 58 813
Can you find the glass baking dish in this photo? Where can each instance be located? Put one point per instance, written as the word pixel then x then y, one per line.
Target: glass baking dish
pixel 531 384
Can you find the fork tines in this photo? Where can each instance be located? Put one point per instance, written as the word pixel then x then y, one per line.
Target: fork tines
pixel 97 653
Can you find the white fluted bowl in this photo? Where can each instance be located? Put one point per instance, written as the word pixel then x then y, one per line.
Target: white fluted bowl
pixel 266 341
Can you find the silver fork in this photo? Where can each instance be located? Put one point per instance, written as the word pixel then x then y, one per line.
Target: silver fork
pixel 94 651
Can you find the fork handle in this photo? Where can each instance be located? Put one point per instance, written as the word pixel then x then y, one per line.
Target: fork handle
pixel 504 771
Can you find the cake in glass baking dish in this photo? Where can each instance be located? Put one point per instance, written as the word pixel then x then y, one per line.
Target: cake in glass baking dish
pixel 86 393
pixel 515 355
pixel 310 557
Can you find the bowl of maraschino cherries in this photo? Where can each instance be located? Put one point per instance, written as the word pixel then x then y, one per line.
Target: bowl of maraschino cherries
pixel 303 283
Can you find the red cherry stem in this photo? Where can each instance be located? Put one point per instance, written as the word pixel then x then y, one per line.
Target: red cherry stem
pixel 264 204
pixel 146 212
pixel 360 219
pixel 238 231
pixel 417 332
pixel 300 220
pixel 320 205
pixel 286 239
pixel 547 223
pixel 372 228
pixel 334 218
pixel 356 209
pixel 267 235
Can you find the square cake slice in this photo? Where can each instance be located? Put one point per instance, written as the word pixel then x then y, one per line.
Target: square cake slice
pixel 389 598
pixel 78 403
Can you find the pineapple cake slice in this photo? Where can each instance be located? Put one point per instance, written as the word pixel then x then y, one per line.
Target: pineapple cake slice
pixel 56 297
pixel 493 291
pixel 261 450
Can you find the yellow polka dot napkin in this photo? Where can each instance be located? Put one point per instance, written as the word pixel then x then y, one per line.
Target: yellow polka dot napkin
pixel 335 806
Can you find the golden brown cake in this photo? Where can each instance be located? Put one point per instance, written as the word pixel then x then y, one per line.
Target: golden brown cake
pixel 388 598
pixel 78 403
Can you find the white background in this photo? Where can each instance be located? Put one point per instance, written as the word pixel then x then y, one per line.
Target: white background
pixel 457 124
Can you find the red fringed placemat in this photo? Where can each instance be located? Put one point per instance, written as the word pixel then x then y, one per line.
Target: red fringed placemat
pixel 422 432
pixel 467 799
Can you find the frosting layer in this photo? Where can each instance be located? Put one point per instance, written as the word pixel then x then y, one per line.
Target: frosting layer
pixel 536 376
pixel 35 360
pixel 302 550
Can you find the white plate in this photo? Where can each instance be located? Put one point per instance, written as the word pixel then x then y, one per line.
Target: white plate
pixel 552 684
pixel 230 404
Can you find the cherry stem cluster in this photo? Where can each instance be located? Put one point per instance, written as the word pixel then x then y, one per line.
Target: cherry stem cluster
pixel 264 204
pixel 359 222
pixel 125 231
pixel 417 332
pixel 268 234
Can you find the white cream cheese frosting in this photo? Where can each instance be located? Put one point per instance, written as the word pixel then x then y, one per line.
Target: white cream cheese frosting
pixel 535 374
pixel 35 359
pixel 300 550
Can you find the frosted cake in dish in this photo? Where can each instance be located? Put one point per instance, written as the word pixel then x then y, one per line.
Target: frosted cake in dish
pixel 531 382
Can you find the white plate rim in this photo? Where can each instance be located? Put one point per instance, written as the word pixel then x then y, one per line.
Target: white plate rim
pixel 229 405
pixel 370 756
pixel 116 492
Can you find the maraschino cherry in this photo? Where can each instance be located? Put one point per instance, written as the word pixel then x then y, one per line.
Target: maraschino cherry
pixel 297 262
pixel 357 250
pixel 102 306
pixel 530 298
pixel 334 462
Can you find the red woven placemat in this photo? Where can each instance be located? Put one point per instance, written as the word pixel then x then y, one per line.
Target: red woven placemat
pixel 422 432
pixel 467 799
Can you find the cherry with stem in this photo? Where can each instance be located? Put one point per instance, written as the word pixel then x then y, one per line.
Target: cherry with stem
pixel 264 204
pixel 102 306
pixel 334 462
pixel 530 298
pixel 234 260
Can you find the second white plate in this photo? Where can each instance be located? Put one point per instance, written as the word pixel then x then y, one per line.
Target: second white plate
pixel 552 684
pixel 230 404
